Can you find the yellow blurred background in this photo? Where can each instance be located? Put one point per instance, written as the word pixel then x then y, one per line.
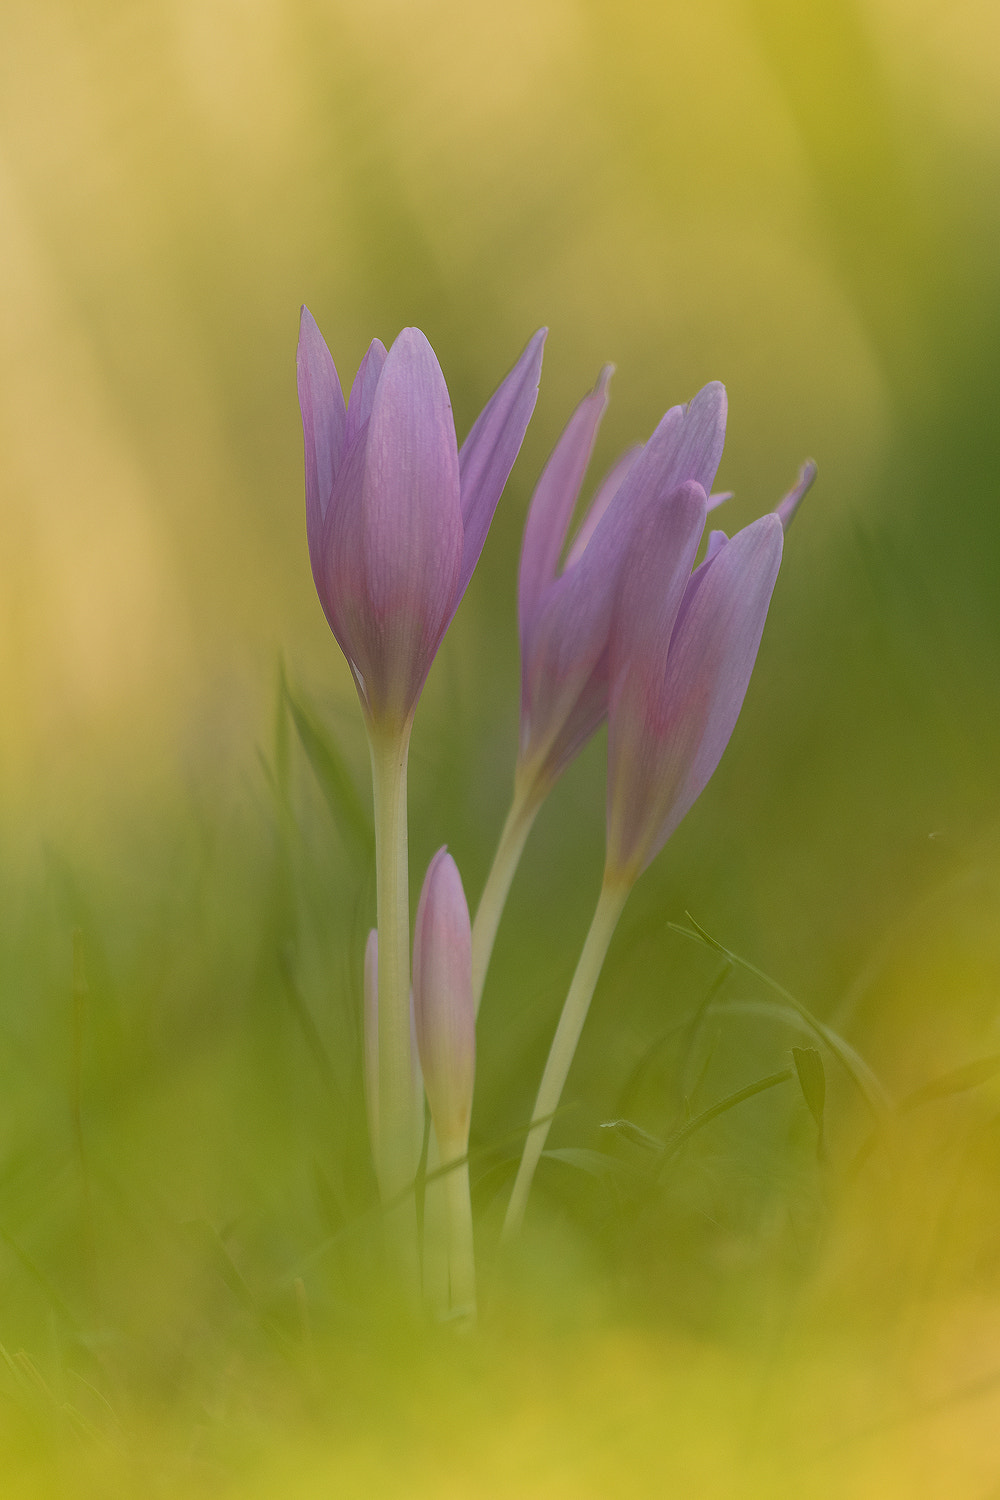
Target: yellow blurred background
pixel 799 200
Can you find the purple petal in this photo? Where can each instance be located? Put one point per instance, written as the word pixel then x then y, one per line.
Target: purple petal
pixel 606 492
pixel 553 501
pixel 359 405
pixel 696 449
pixel 787 508
pixel 443 1007
pixel 394 544
pixel 668 726
pixel 586 714
pixel 572 633
pixel 490 449
pixel 686 446
pixel 324 424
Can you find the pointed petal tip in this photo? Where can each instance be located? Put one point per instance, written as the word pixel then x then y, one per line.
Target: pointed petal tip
pixel 786 509
pixel 604 380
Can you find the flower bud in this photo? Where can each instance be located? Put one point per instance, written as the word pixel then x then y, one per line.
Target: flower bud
pixel 442 1003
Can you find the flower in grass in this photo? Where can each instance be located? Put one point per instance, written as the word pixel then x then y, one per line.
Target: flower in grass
pixel 396 514
pixel 681 655
pixel 565 615
pixel 442 1003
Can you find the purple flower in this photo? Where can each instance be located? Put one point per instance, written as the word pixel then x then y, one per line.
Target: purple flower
pixel 396 515
pixel 682 652
pixel 442 1002
pixel 565 616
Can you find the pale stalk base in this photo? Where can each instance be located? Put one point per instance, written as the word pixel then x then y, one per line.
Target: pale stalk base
pixel 436 1285
pixel 461 1253
pixel 389 750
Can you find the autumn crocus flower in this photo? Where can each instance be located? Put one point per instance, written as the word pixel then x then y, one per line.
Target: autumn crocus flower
pixel 681 659
pixel 396 514
pixel 565 613
pixel 682 648
pixel 396 517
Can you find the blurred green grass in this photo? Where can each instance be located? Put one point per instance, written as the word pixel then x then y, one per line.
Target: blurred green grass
pixel 797 202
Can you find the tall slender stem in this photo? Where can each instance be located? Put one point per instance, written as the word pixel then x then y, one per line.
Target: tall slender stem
pixel 435 1268
pixel 461 1255
pixel 574 1013
pixel 523 810
pixel 389 750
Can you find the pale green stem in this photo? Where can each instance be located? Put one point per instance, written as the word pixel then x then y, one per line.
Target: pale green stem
pixel 574 1013
pixel 389 749
pixel 461 1254
pixel 523 810
pixel 436 1292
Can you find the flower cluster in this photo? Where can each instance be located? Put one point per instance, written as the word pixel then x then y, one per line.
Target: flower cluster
pixel 631 628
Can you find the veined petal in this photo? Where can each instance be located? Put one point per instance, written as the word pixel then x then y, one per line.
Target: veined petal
pixel 553 501
pixel 582 719
pixel 359 405
pixel 606 492
pixel 338 566
pixel 657 572
pixel 573 632
pixel 411 524
pixel 697 447
pixel 686 444
pixel 488 453
pixel 668 729
pixel 443 1007
pixel 324 424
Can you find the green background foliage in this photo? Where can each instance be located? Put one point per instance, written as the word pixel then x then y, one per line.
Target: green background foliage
pixel 798 200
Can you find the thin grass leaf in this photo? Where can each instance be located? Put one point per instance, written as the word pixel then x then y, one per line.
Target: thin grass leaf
pixel 629 1131
pixel 812 1081
pixel 958 1081
pixel 854 1064
pixel 333 776
pixel 673 1146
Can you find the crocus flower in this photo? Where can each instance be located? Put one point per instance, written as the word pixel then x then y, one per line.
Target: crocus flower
pixel 442 1002
pixel 682 648
pixel 565 616
pixel 681 656
pixel 396 515
pixel 445 1019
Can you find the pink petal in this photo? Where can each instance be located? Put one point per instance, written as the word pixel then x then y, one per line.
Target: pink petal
pixel 443 1007
pixel 359 405
pixel 392 544
pixel 490 449
pixel 606 492
pixel 571 635
pixel 670 723
pixel 553 501
pixel 787 507
pixel 324 424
